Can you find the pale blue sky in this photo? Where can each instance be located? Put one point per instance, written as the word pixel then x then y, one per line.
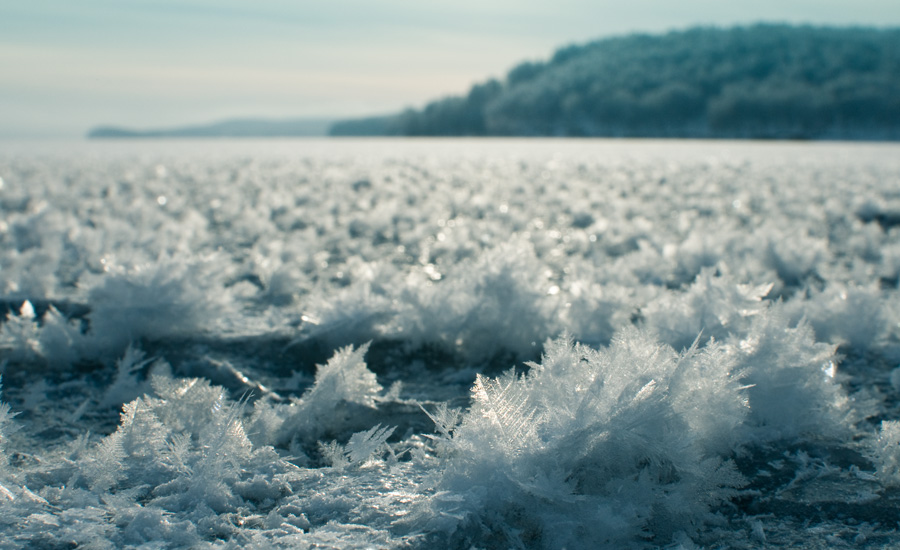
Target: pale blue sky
pixel 66 66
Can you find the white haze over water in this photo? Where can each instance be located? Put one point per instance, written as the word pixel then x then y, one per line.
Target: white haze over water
pixel 461 343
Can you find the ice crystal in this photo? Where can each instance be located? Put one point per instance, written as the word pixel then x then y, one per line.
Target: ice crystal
pixel 360 447
pixel 792 388
pixel 612 438
pixel 887 452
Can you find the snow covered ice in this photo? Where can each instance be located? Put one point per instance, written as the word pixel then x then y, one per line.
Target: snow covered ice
pixel 449 343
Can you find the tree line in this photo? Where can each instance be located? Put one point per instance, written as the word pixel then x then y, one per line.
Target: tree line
pixel 761 81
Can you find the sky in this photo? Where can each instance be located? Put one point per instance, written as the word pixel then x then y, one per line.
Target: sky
pixel 68 66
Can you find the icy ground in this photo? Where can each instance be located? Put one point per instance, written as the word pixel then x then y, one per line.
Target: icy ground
pixel 449 344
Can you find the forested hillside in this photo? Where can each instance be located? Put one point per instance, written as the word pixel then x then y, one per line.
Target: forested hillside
pixel 763 81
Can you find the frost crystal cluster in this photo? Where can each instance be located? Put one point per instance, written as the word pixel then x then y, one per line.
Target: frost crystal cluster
pixel 394 344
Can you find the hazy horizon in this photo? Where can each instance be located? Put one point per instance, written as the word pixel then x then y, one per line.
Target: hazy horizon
pixel 142 65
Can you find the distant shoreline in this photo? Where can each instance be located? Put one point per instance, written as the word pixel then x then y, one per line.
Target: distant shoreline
pixel 766 82
pixel 232 128
pixel 327 137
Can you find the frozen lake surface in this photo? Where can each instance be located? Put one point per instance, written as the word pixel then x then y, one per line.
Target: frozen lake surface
pixel 449 343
